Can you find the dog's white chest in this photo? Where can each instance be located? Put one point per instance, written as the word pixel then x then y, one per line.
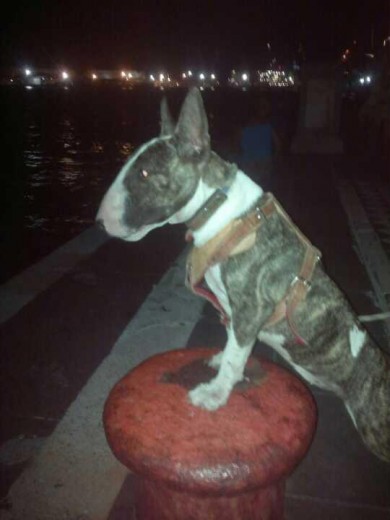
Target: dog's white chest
pixel 214 281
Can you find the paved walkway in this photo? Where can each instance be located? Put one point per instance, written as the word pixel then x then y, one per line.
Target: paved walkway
pixel 73 338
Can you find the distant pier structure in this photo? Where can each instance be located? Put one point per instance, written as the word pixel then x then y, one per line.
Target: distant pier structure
pixel 63 76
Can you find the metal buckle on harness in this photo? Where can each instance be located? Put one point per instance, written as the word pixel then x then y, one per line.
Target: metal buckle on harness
pixel 305 282
pixel 259 213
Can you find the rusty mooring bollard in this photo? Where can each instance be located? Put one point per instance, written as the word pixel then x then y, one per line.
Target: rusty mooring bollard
pixel 193 464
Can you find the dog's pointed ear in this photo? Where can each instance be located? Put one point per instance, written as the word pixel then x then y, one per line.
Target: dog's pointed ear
pixel 192 129
pixel 167 124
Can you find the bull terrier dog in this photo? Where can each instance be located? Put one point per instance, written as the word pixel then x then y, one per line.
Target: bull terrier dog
pixel 256 266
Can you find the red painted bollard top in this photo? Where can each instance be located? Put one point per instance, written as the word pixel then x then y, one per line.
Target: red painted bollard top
pixel 247 446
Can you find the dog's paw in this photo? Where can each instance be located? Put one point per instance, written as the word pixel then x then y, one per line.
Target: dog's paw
pixel 209 396
pixel 215 361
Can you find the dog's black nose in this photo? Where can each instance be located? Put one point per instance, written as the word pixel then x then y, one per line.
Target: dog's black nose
pixel 100 223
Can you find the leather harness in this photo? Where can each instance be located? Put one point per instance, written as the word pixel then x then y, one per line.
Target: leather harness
pixel 239 236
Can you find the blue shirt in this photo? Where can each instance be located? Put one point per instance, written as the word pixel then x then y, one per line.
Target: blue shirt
pixel 256 142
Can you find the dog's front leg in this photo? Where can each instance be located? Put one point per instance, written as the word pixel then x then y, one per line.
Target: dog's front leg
pixel 231 363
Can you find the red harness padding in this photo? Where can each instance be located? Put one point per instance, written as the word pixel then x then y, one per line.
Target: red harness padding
pixel 201 289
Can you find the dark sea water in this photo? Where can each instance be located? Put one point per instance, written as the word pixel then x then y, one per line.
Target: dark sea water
pixel 60 150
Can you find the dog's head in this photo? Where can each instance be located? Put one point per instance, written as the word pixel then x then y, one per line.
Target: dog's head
pixel 161 176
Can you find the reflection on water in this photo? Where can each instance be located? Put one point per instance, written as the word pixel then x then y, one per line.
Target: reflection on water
pixel 62 156
pixel 61 151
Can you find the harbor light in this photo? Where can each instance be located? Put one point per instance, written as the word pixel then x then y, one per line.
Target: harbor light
pixel 202 76
pixel 189 73
pixel 94 76
pixel 212 76
pixel 27 72
pixel 64 75
pixel 244 77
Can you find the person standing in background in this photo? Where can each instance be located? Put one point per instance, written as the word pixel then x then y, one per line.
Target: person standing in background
pixel 258 143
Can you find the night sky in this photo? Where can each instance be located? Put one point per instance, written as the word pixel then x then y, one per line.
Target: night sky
pixel 176 34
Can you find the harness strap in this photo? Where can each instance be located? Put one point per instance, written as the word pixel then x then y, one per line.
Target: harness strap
pixel 235 238
pixel 296 293
pixel 300 287
pixel 239 236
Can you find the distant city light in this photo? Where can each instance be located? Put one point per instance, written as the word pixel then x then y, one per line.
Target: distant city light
pixel 361 81
pixel 126 75
pixel 274 77
pixel 368 79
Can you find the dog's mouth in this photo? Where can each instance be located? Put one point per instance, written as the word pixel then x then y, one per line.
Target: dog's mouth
pixel 133 235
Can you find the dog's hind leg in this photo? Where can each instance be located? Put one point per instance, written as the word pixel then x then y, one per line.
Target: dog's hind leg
pixel 232 361
pixel 368 395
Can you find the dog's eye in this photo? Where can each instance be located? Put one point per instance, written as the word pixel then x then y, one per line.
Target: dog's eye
pixel 144 174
